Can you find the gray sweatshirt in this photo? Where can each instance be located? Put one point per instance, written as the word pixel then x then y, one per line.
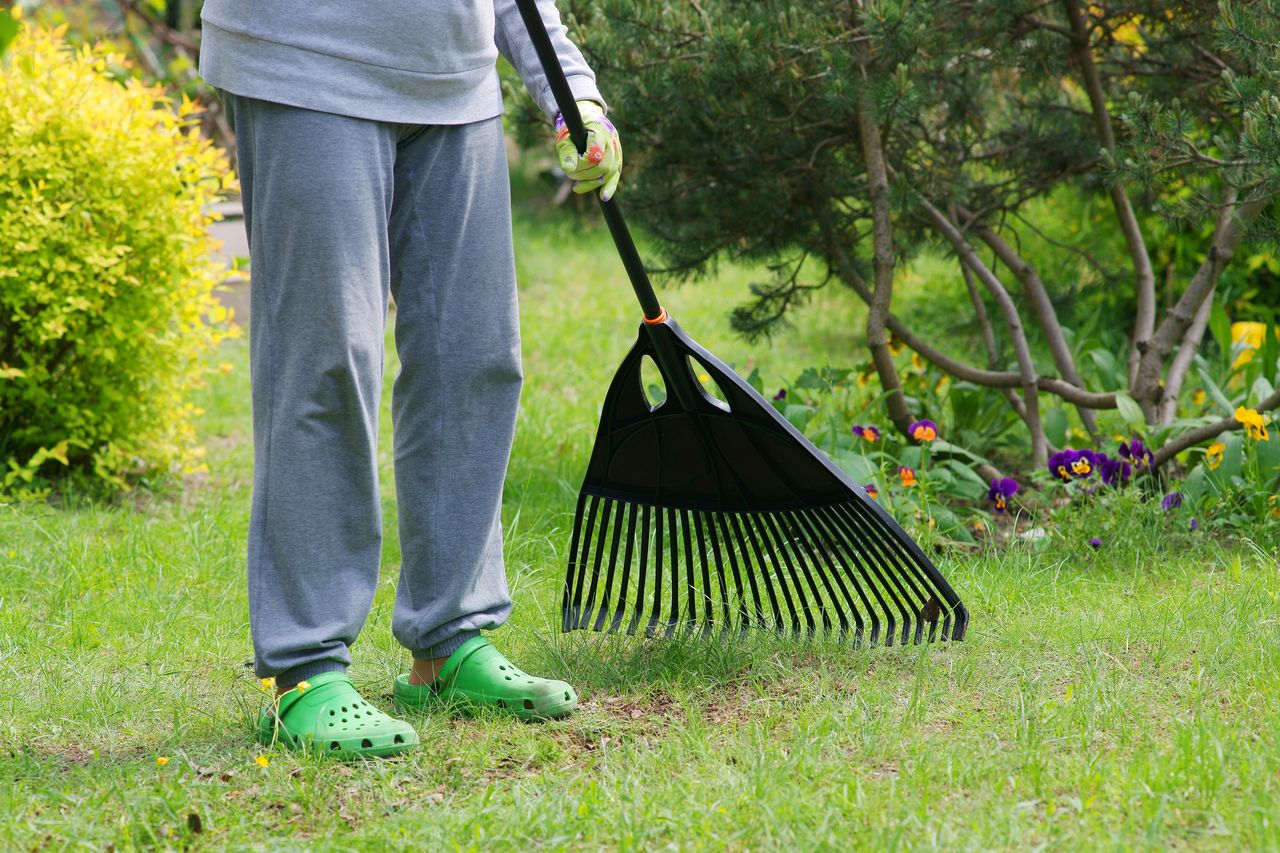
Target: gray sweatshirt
pixel 408 61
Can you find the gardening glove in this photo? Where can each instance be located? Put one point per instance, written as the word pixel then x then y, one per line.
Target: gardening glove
pixel 601 165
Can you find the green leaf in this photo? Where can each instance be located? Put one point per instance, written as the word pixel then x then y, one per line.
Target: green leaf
pixel 1131 412
pixel 798 414
pixel 858 468
pixel 1215 392
pixel 1055 427
pixel 941 446
pixel 1261 390
pixel 9 27
pixel 1220 328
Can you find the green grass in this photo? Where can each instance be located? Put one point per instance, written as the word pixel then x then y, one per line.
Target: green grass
pixel 1126 698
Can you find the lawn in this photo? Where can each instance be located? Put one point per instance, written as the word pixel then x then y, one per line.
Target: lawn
pixel 1124 698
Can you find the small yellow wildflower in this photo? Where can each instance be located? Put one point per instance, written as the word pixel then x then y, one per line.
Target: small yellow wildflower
pixel 268 683
pixel 1213 455
pixel 162 760
pixel 1197 397
pixel 1254 423
pixel 303 686
pixel 12 553
pixel 917 363
pixel 261 761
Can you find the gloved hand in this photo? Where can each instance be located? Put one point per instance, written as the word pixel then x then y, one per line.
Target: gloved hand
pixel 601 166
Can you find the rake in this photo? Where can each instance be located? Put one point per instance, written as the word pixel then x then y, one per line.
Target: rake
pixel 706 509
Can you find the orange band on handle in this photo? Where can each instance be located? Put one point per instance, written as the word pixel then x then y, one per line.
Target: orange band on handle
pixel 661 318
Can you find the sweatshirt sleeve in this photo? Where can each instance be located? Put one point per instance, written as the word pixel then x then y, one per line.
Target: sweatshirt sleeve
pixel 514 44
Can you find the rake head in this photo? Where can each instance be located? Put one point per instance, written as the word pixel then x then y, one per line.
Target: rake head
pixel 699 513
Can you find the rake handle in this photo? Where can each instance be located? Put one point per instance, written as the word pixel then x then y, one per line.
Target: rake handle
pixel 578 133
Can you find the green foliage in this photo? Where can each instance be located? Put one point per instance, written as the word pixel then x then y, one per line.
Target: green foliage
pixel 106 301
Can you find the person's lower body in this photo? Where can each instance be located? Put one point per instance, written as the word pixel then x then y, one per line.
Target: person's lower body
pixel 341 214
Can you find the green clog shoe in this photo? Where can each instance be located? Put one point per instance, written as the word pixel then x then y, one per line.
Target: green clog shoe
pixel 328 717
pixel 479 676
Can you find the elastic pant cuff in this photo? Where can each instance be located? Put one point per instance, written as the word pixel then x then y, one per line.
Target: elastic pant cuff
pixel 302 672
pixel 444 648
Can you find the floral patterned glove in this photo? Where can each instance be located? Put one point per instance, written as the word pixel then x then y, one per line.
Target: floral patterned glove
pixel 601 166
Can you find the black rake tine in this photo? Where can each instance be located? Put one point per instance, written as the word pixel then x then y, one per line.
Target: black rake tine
pixel 856 566
pixel 607 589
pixel 644 565
pixel 882 569
pixel 812 568
pixel 588 537
pixel 738 527
pixel 601 536
pixel 692 590
pixel 905 573
pixel 626 570
pixel 832 601
pixel 931 589
pixel 657 574
pixel 673 543
pixel 791 571
pixel 887 568
pixel 733 565
pixel 762 526
pixel 567 597
pixel 911 571
pixel 708 607
pixel 826 547
pixel 762 570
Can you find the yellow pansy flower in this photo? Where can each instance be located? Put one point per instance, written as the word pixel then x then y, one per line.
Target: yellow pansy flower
pixel 1213 455
pixel 1254 423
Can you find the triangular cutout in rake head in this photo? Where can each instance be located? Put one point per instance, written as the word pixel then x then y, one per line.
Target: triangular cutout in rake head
pixel 698 513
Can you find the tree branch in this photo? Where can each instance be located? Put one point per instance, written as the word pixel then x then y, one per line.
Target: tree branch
pixel 882 241
pixel 1182 361
pixel 988 334
pixel 1026 366
pixel 1208 431
pixel 1226 237
pixel 1043 308
pixel 1145 317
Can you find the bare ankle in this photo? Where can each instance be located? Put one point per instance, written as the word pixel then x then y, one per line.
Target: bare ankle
pixel 426 671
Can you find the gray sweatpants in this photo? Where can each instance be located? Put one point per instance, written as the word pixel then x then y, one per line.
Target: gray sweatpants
pixel 340 212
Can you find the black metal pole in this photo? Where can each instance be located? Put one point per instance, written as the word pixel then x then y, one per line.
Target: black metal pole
pixel 578 133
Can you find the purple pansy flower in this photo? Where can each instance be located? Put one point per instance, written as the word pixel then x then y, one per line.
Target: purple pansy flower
pixel 1095 543
pixel 781 395
pixel 1084 464
pixel 867 432
pixel 1001 491
pixel 1171 501
pixel 1114 472
pixel 1060 464
pixel 1195 525
pixel 923 430
pixel 1070 464
pixel 1136 452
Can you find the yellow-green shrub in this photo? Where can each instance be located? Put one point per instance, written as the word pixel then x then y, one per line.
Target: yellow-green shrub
pixel 106 301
